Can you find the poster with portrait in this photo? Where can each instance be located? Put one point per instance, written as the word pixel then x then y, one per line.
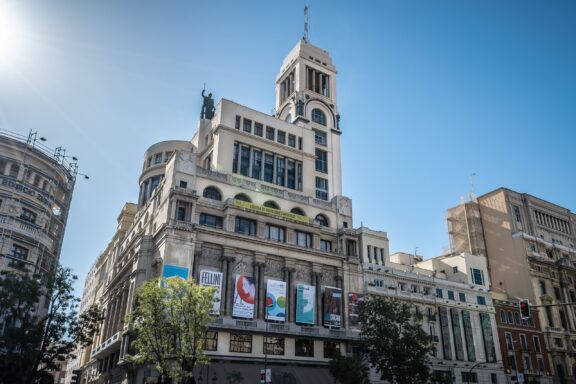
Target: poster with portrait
pixel 244 297
pixel 276 300
pixel 353 300
pixel 332 307
pixel 213 279
pixel 305 302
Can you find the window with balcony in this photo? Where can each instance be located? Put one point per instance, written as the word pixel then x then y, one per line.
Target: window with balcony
pixel 212 193
pixel 240 343
pixel 322 220
pixel 245 226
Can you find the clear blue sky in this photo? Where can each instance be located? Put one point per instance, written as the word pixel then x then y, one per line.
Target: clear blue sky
pixel 429 92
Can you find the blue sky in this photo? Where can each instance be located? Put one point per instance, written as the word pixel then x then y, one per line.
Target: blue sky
pixel 429 93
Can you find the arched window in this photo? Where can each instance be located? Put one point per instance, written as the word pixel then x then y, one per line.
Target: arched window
pixel 298 211
pixel 318 116
pixel 271 204
pixel 322 220
pixel 242 197
pixel 212 193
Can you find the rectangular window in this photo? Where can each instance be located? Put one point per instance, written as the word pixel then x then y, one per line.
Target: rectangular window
pixel 157 158
pixel 247 126
pixel 240 343
pixel 183 184
pixel 275 233
pixel 325 245
pixel 321 161
pixel 235 158
pixel 540 364
pixel 237 124
pixel 523 342
pixel 462 296
pixel 509 341
pixel 281 136
pixel 181 214
pixel 291 173
pixel 477 276
pixel 245 226
pixel 244 160
pixel 517 214
pixel 439 292
pixel 320 138
pixel 321 188
pixel 298 176
pixel 537 347
pixel 304 348
pixel 303 239
pixel 211 341
pixel 14 170
pixel 274 345
pixel 481 300
pixel 256 164
pixel 292 141
pixel 19 252
pixel 270 133
pixel 28 215
pixel 331 349
pixel 210 220
pixel 258 129
pixel 300 143
pixel 280 170
pixel 451 295
pixel 469 377
pixel 268 167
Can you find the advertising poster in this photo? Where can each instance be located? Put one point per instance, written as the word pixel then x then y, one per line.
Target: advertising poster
pixel 175 271
pixel 213 279
pixel 353 300
pixel 244 296
pixel 275 300
pixel 305 301
pixel 332 307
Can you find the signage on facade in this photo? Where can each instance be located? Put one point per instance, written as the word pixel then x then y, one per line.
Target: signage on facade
pixel 6 182
pixel 271 211
pixel 305 302
pixel 244 297
pixel 276 300
pixel 213 279
pixel 171 271
pixel 353 300
pixel 332 307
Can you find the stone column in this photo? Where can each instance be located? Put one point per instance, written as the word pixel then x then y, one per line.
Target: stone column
pixel 340 284
pixel 227 262
pixel 291 293
pixel 261 291
pixel 316 278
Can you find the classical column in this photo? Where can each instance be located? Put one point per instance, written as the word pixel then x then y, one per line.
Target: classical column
pixel 227 260
pixel 316 278
pixel 291 293
pixel 260 268
pixel 340 284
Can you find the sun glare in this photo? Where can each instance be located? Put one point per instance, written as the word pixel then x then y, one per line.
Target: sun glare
pixel 10 35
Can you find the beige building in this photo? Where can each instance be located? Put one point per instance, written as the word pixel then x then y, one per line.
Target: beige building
pixel 529 244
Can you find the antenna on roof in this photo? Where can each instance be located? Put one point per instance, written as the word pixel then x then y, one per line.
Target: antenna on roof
pixel 306 18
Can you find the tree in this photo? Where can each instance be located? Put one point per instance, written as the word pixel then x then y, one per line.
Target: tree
pixel 32 345
pixel 394 341
pixel 347 370
pixel 170 319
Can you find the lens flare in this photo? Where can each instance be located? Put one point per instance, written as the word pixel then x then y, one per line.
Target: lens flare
pixel 10 35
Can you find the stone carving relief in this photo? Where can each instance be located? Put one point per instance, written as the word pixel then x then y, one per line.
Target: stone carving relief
pixel 329 277
pixel 274 268
pixel 243 266
pixel 302 274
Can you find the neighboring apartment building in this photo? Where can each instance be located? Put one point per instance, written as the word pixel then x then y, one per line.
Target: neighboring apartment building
pixel 521 342
pixel 36 185
pixel 530 246
pixel 253 205
pixel 451 294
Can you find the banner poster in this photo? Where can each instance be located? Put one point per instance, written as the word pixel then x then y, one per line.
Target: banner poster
pixel 305 302
pixel 332 307
pixel 170 271
pixel 244 295
pixel 353 300
pixel 275 300
pixel 213 279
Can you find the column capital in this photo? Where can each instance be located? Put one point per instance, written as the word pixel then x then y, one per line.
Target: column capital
pixel 289 269
pixel 228 258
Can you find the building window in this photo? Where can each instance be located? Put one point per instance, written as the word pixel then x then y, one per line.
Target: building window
pixel 317 81
pixel 280 170
pixel 510 318
pixel 304 348
pixel 270 133
pixel 28 215
pixel 240 343
pixel 481 300
pixel 18 253
pixel 542 287
pixel 237 124
pixel 300 143
pixel 439 293
pixel 477 276
pixel 183 184
pixel 242 197
pixel 325 245
pixel 509 341
pixel 331 349
pixel 212 193
pixel 322 220
pixel 303 239
pixel 461 296
pixel 275 233
pixel 271 204
pixel 14 170
pixel 320 138
pixel 268 167
pixel 557 293
pixel 210 220
pixel 281 137
pixel 540 364
pixel 321 188
pixel 256 164
pixel 318 116
pixel 244 160
pixel 517 318
pixel 292 141
pixel 274 345
pixel 321 161
pixel 549 316
pixel 523 342
pixel 247 126
pixel 181 213
pixel 517 216
pixel 211 341
pixel 291 174
pixel 245 226
pixel 537 346
pixel 298 211
pixel 469 377
pixel 157 158
pixel 258 129
pixel 451 295
pixel 503 317
pixel 455 269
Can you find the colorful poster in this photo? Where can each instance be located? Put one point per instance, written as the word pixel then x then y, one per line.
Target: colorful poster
pixel 244 297
pixel 332 307
pixel 213 279
pixel 353 300
pixel 275 300
pixel 305 302
pixel 175 271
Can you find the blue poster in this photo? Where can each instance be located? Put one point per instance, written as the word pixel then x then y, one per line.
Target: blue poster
pixel 305 302
pixel 175 271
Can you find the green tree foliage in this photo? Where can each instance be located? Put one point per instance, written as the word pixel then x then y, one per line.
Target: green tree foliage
pixel 30 344
pixel 348 370
pixel 170 319
pixel 394 341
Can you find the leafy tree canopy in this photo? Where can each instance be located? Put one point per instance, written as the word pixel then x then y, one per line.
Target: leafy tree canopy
pixel 348 370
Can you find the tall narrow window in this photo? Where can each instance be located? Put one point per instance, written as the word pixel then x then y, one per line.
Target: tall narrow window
pixel 321 188
pixel 247 126
pixel 321 161
pixel 270 133
pixel 258 129
pixel 14 170
pixel 256 164
pixel 281 137
pixel 237 124
pixel 235 159
pixel 299 176
pixel 291 172
pixel 268 167
pixel 280 170
pixel 244 160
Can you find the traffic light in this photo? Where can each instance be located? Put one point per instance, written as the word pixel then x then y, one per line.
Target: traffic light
pixel 76 374
pixel 524 309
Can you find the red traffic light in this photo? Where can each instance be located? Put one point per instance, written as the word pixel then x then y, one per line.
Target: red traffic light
pixel 524 309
